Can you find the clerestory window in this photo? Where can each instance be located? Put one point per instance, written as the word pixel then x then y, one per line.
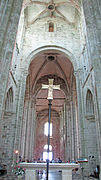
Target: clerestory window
pixel 51 27
pixel 46 129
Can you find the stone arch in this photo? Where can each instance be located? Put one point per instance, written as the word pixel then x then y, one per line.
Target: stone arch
pixel 91 132
pixel 9 100
pixel 35 53
pixel 26 66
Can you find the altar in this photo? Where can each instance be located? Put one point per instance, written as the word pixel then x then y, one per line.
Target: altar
pixel 66 169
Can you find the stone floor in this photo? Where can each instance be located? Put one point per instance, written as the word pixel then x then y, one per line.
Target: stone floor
pixel 56 175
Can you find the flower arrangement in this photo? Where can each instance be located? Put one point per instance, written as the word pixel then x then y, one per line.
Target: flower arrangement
pixel 17 170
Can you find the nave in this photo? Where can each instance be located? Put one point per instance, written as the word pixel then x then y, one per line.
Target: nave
pixel 58 40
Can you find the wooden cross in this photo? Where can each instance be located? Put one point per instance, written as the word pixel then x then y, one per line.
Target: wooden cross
pixel 50 88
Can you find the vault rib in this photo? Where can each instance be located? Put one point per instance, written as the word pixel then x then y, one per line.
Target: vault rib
pixel 43 12
pixel 38 72
pixel 34 2
pixel 58 12
pixel 73 3
pixel 38 2
pixel 61 70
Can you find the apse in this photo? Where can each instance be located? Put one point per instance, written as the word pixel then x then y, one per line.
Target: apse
pixel 50 65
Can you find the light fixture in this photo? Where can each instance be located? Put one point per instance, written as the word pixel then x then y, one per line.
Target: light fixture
pixel 16 151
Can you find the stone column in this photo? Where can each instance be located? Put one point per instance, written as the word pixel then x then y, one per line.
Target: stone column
pixel 68 130
pixel 80 112
pixel 28 132
pixel 23 130
pixel 73 128
pixel 61 135
pixel 20 110
pixel 71 132
pixel 92 12
pixel 9 13
pixel 32 131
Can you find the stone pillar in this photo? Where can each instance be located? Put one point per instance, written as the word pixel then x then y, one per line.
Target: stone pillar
pixel 71 133
pixel 9 18
pixel 20 110
pixel 10 13
pixel 61 136
pixel 66 134
pixel 32 133
pixel 68 130
pixel 72 129
pixel 28 127
pixel 92 13
pixel 66 174
pixel 80 112
pixel 23 133
pixel 28 132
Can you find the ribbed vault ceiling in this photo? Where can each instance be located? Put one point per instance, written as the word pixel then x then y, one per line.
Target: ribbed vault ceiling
pixel 50 65
pixel 65 9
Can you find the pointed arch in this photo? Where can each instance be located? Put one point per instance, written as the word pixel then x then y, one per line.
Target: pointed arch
pixel 89 103
pixel 9 100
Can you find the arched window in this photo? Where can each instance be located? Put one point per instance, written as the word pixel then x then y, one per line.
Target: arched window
pixel 46 147
pixel 89 103
pixel 46 129
pixel 51 27
pixel 45 153
pixel 9 100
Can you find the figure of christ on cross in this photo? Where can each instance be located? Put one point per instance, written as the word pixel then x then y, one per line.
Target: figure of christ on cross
pixel 50 88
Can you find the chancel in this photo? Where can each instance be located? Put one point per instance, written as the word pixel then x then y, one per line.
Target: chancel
pixel 54 44
pixel 64 167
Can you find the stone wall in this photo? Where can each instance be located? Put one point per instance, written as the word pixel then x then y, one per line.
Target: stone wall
pixel 64 36
pixel 85 46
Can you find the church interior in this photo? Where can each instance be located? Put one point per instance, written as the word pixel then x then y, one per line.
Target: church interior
pixel 43 40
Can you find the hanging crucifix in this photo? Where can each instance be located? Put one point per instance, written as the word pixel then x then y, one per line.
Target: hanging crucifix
pixel 50 88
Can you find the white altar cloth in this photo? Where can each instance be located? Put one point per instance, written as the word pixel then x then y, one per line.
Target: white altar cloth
pixel 66 169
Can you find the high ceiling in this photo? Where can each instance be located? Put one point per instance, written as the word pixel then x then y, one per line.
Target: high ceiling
pixel 50 65
pixel 43 65
pixel 65 9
